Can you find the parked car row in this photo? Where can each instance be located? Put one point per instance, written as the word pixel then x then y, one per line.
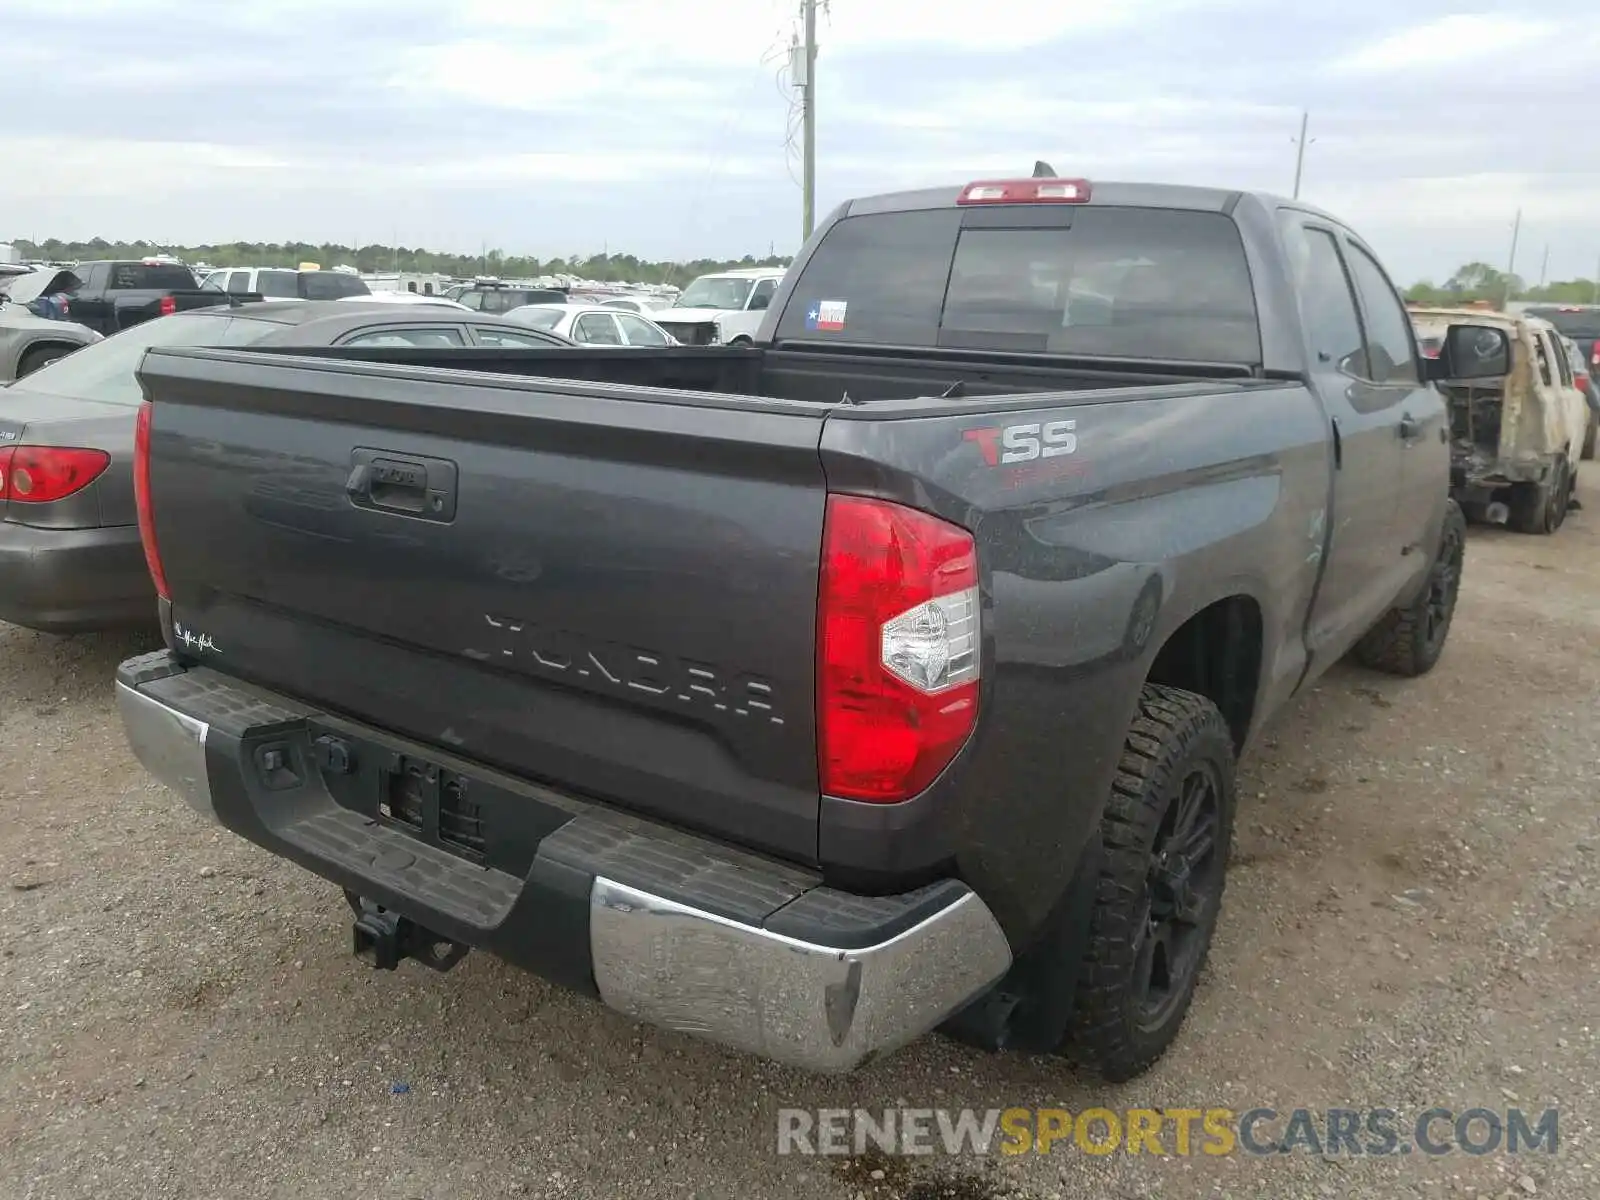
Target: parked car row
pixel 49 314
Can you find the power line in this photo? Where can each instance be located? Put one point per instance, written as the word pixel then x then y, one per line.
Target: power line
pixel 808 103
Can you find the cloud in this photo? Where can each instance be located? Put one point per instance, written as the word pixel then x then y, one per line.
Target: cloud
pixel 1452 42
pixel 664 127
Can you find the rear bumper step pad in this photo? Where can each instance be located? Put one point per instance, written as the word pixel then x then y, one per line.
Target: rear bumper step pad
pixel 670 928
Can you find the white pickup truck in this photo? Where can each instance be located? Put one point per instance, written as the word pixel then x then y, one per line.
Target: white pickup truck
pixel 724 309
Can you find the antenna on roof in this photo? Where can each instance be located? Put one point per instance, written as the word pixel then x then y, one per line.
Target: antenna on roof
pixel 1043 170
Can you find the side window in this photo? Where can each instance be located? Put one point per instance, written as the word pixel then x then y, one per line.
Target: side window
pixel 1327 304
pixel 213 282
pixel 1563 361
pixel 761 297
pixel 640 332
pixel 473 300
pixel 1390 350
pixel 95 281
pixel 596 329
pixel 1541 354
pixel 239 282
pixel 505 339
pixel 423 338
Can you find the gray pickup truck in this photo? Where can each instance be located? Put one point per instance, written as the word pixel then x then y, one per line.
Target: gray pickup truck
pixel 886 676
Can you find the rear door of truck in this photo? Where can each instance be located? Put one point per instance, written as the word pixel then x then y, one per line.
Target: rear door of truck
pixel 606 589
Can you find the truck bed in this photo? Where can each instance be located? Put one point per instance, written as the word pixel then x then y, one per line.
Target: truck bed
pixel 819 375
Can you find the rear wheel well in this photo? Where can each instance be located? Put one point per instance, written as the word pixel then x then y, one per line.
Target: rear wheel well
pixel 1217 654
pixel 30 359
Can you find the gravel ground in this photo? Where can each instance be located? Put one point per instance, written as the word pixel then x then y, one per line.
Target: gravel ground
pixel 1411 920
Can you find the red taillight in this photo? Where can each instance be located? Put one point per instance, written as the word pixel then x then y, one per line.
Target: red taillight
pixel 1025 191
pixel 169 305
pixel 1594 354
pixel 66 307
pixel 898 649
pixel 40 474
pixel 141 500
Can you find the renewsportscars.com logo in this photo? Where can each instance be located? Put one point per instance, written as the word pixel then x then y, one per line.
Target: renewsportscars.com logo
pixel 1164 1132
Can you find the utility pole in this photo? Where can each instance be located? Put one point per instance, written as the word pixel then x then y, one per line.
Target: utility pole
pixel 1596 297
pixel 1300 153
pixel 1511 263
pixel 1544 264
pixel 808 114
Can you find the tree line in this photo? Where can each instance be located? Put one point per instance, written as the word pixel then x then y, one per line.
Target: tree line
pixel 610 268
pixel 1472 281
pixel 1480 281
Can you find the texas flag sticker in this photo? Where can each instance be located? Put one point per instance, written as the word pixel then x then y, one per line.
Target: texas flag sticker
pixel 826 316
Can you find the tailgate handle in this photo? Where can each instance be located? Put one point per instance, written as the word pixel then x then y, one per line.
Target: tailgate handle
pixel 415 487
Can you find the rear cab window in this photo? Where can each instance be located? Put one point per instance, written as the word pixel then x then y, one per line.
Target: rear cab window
pixel 161 277
pixel 280 285
pixel 1119 282
pixel 330 285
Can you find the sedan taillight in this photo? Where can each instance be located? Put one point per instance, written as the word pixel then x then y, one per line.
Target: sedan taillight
pixel 41 474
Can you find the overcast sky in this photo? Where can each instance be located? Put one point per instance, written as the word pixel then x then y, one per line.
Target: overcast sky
pixel 658 127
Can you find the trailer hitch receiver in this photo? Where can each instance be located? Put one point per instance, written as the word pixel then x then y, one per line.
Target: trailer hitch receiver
pixel 385 939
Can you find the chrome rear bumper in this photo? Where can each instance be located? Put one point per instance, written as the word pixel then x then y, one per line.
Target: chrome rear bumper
pixel 804 975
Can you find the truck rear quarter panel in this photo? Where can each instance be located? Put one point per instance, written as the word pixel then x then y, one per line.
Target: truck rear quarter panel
pixel 1090 559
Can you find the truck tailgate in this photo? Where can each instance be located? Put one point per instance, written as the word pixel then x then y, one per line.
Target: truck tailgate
pixel 602 588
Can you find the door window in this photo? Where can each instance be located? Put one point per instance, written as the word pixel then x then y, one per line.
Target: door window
pixel 639 332
pixel 1391 353
pixel 762 296
pixel 413 337
pixel 506 339
pixel 1333 326
pixel 1541 355
pixel 596 329
pixel 1558 355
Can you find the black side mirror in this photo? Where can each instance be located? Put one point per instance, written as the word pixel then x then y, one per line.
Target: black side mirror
pixel 1472 352
pixel 760 301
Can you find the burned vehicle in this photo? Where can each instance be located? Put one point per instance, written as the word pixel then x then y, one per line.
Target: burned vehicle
pixel 1515 439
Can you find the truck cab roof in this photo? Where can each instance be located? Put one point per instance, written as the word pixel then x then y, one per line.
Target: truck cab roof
pixel 1109 192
